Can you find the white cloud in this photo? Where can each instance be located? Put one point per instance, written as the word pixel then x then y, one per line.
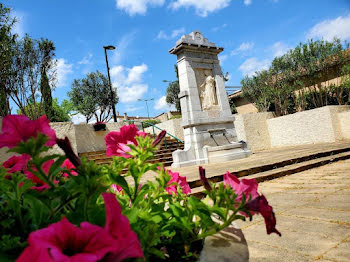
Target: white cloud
pixel 328 29
pixel 202 7
pixel 247 2
pixel 222 58
pixel 78 118
pixel 161 104
pixel 133 7
pixel 63 69
pixel 175 33
pixel 279 49
pixel 86 59
pixel 244 47
pixel 217 28
pixel 129 82
pixel 252 65
pixel 122 47
pixel 18 28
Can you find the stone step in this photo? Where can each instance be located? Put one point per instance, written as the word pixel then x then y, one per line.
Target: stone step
pixel 198 190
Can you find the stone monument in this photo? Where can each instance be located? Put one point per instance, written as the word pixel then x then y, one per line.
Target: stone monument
pixel 209 133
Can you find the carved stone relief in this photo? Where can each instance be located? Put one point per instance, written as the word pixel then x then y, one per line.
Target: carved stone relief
pixel 206 88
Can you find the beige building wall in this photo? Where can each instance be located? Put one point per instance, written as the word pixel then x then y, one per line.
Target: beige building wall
pixel 88 140
pixel 253 129
pixel 172 126
pixel 244 106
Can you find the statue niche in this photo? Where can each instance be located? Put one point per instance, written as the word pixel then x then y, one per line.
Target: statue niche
pixel 207 89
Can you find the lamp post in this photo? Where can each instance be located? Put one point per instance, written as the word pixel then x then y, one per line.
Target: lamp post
pixel 146 100
pixel 110 47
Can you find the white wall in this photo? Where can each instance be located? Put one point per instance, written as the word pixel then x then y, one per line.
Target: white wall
pixel 172 126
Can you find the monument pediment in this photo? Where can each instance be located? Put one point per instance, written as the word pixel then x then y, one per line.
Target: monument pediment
pixel 195 38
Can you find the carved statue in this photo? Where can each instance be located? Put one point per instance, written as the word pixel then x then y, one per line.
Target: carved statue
pixel 208 93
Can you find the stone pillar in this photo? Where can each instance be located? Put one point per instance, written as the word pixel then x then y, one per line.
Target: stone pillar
pixel 206 115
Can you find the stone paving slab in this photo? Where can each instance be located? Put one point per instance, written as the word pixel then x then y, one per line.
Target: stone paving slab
pixel 313 217
pixel 270 156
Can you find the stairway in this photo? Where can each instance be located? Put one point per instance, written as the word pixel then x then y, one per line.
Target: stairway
pixel 163 155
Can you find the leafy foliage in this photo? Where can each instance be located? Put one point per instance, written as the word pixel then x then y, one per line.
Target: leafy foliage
pixel 59 113
pixel 166 224
pixel 91 97
pixel 173 91
pixel 293 81
pixel 7 43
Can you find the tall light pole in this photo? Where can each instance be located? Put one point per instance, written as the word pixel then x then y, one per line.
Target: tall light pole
pixel 110 47
pixel 146 100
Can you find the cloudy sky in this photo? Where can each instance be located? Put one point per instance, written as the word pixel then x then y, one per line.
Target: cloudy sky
pixel 252 32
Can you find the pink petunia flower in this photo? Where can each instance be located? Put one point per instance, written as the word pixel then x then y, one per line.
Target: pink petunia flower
pixel 19 128
pixel 117 141
pixel 62 241
pixel 180 180
pixel 16 163
pixel 257 204
pixel 260 205
pixel 39 184
pixel 68 164
pixel 116 188
pixel 119 227
pixel 241 187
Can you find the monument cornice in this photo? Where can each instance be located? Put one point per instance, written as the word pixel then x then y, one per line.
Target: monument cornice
pixel 195 47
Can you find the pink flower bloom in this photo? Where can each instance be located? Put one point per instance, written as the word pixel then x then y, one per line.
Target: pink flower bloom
pixel 62 241
pixel 116 188
pixel 242 187
pixel 65 242
pixel 67 164
pixel 180 180
pixel 16 163
pixel 159 138
pixel 119 227
pixel 39 184
pixel 260 204
pixel 117 142
pixel 19 128
pixel 204 180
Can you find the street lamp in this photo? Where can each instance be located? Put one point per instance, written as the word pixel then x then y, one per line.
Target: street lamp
pixel 146 100
pixel 110 47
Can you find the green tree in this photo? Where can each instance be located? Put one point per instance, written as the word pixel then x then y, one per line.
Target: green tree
pixel 293 81
pixel 172 92
pixel 7 43
pixel 47 51
pixel 91 97
pixel 60 113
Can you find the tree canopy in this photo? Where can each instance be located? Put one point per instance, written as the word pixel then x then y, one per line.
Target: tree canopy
pixel 294 81
pixel 172 92
pixel 91 97
pixel 27 70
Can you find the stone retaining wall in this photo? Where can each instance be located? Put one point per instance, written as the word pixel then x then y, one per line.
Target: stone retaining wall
pixel 321 125
pixel 172 126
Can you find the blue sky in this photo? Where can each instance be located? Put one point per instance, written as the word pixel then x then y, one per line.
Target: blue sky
pixel 251 31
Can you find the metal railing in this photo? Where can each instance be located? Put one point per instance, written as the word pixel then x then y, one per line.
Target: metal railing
pixel 178 140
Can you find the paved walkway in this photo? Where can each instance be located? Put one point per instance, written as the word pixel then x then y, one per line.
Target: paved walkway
pixel 255 160
pixel 313 215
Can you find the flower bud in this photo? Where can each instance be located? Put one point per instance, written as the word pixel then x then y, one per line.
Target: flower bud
pixel 204 180
pixel 159 138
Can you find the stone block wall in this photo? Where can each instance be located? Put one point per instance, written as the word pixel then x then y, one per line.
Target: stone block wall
pixel 172 126
pixel 344 120
pixel 253 129
pixel 321 125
